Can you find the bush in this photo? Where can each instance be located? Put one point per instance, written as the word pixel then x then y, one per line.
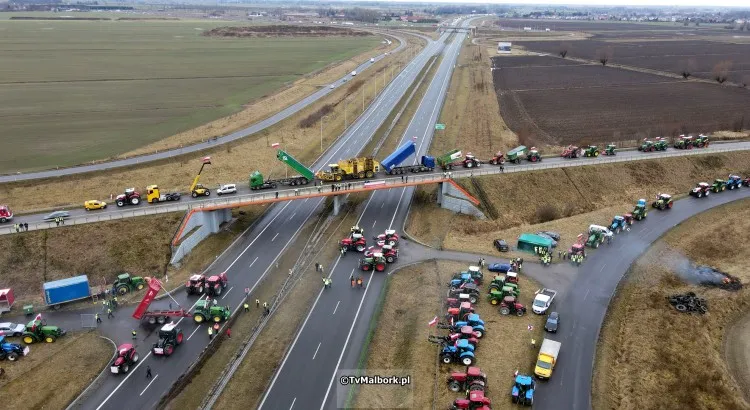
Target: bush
pixel 546 213
pixel 313 118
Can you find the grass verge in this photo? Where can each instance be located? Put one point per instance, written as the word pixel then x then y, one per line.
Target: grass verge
pixel 53 375
pixel 400 341
pixel 680 353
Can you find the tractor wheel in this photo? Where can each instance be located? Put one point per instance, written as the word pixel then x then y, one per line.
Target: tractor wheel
pixel 669 206
pixel 198 318
pixel 140 286
pixel 360 248
pixel 519 312
pixel 596 244
pixel 135 201
pixel 596 153
pixel 454 386
pixel 179 338
pixel 168 350
pixel 473 299
pixel 337 178
pixel 617 230
pixel 380 267
pixel 390 259
pixel 28 339
pixel 208 192
pixel 162 319
pixel 49 339
pixel 494 302
pixel 120 203
pixel 151 320
pixel 12 356
pixel 533 159
pixel 217 291
pixel 369 174
pixel 217 319
pixel 122 289
pixel 504 311
pixel 467 361
pixel 480 334
pixel 365 267
pixel 681 308
pixel 361 175
pixel 469 164
pixel 392 243
pixel 194 194
pixel 135 358
pixel 446 358
pixel 125 368
pixel 200 290
pixel 700 194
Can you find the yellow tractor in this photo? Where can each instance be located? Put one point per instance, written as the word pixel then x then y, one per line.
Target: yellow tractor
pixel 353 168
pixel 197 189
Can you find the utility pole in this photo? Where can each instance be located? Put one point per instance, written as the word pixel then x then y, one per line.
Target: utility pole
pixel 321 132
pixel 363 97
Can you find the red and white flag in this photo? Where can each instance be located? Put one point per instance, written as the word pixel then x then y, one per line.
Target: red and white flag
pixel 433 322
pixel 206 160
pixel 38 317
pixel 414 138
pixel 275 145
pixel 530 328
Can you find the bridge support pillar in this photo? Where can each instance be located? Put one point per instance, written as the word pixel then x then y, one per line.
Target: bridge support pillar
pixel 457 201
pixel 337 202
pixel 440 191
pixel 197 226
pixel 215 218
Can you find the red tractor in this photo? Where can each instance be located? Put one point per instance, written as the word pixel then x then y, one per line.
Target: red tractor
pixel 354 241
pixel 746 182
pixel 459 313
pixel 476 401
pixel 216 284
pixel 470 161
pixel 126 357
pixel 463 381
pixel 468 333
pixel 130 197
pixel 196 285
pixel 454 302
pixel 389 252
pixel 390 237
pixel 572 152
pixel 578 249
pixel 498 159
pixel 628 218
pixel 510 305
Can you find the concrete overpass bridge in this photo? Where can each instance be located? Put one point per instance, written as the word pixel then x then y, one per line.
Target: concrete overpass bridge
pixel 472 30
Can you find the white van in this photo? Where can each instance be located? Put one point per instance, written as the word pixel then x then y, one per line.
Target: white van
pixel 227 189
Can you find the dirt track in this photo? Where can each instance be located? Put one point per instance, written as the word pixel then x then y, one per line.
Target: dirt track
pixel 737 353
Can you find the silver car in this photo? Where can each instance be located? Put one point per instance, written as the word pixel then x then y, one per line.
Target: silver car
pixel 11 329
pixel 57 214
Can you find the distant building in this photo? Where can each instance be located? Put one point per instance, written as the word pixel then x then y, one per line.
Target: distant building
pixel 503 48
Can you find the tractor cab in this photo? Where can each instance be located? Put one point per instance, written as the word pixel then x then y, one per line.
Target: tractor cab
pixel 470 161
pixel 37 330
pixel 646 146
pixel 206 311
pixel 610 149
pixel 196 284
pixel 497 282
pixel 618 224
pixel 457 301
pixel 355 241
pixel 701 190
pixel 126 283
pixel 459 381
pixel 663 201
pixel 460 313
pixel 476 272
pixel 571 151
pixel 389 252
pixel 357 230
pixel 701 141
pixel 375 262
pixel 511 277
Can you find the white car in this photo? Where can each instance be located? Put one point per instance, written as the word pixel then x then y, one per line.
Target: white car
pixel 372 60
pixel 354 73
pixel 227 189
pixel 11 329
pixel 601 229
pixel 332 86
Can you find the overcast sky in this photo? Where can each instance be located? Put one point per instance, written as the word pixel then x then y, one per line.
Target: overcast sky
pixel 685 3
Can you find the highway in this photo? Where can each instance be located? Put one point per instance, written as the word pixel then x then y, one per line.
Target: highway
pixel 330 339
pixel 583 307
pixel 247 196
pixel 259 126
pixel 246 262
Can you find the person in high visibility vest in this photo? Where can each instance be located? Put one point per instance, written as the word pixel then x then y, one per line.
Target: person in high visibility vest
pixel 246 306
pixel 134 334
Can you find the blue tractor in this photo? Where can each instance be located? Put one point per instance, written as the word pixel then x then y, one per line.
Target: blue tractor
pixel 460 279
pixel 11 351
pixel 461 352
pixel 523 390
pixel 734 181
pixel 619 223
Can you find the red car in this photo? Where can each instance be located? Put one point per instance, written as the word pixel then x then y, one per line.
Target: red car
pixel 5 214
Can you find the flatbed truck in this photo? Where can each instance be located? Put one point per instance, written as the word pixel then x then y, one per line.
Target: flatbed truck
pixel 305 174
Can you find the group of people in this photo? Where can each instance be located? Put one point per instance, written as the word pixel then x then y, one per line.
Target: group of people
pixel 545 256
pixel 23 227
pixel 577 258
pixel 214 330
pixel 357 282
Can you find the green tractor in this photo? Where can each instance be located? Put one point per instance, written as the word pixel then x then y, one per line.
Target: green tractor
pixel 126 283
pixel 663 201
pixel 591 151
pixel 495 296
pixel 719 185
pixel 610 149
pixel 534 155
pixel 701 141
pixel 661 144
pixel 595 239
pixel 205 311
pixel 684 142
pixel 640 211
pixel 37 330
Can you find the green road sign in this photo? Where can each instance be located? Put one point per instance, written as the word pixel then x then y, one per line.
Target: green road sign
pixel 439 126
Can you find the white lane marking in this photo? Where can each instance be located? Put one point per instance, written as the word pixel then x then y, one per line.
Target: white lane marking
pixel 373 222
pixel 274 237
pixel 337 307
pixel 290 407
pixel 587 294
pixel 603 266
pixel 316 351
pixel 196 329
pixel 348 336
pixel 256 238
pixel 383 203
pixel 307 318
pixel 290 218
pixel 254 260
pixel 149 385
pixel 225 295
pixel 123 381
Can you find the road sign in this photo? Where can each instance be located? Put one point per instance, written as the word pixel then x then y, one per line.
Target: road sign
pixel 439 126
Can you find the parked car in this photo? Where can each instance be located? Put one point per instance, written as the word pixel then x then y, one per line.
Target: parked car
pixel 552 234
pixel 553 321
pixel 94 204
pixel 57 214
pixel 11 329
pixel 501 245
pixel 544 235
pixel 372 60
pixel 227 189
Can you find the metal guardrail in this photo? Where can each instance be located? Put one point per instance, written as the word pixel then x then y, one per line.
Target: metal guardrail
pixel 369 185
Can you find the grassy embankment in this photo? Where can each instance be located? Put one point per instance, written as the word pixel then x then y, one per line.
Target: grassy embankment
pixel 687 355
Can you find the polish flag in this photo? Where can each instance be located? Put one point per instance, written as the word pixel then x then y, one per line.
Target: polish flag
pixel 414 138
pixel 38 317
pixel 206 160
pixel 433 322
pixel 275 145
pixel 530 328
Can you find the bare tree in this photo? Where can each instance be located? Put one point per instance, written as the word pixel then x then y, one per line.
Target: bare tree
pixel 604 54
pixel 720 72
pixel 745 80
pixel 564 48
pixel 687 67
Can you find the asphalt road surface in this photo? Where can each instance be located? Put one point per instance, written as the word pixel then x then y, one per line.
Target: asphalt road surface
pixel 259 126
pixel 583 307
pixel 329 343
pixel 246 262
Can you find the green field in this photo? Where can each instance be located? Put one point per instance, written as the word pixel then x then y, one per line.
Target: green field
pixel 77 91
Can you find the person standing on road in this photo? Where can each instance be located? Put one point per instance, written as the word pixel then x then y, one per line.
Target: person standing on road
pixel 354 282
pixel 257 303
pixel 359 281
pixel 229 332
pixel 98 319
pixel 135 335
pixel 26 226
pixel 210 333
pixel 148 372
pixel 109 313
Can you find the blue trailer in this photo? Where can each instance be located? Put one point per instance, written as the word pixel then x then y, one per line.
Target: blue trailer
pixel 66 290
pixel 391 162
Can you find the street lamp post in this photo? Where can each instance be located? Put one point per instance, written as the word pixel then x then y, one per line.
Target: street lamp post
pixel 321 132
